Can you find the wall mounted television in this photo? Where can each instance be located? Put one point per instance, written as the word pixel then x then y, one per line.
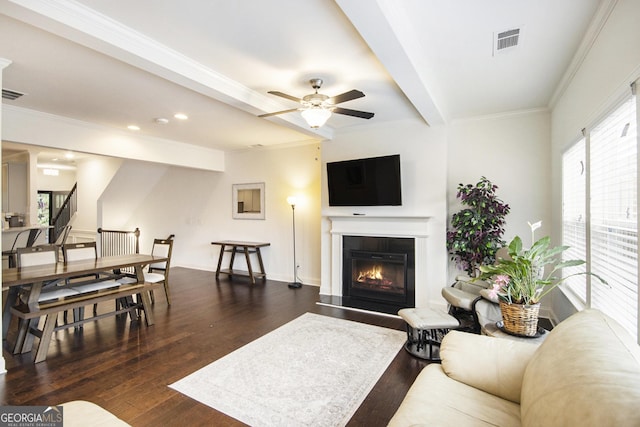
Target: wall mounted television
pixel 374 181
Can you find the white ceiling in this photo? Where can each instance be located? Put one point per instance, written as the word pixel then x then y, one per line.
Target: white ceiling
pixel 116 62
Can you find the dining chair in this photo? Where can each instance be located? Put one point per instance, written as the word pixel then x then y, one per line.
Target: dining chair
pixel 158 272
pixel 62 239
pixel 36 255
pixel 79 252
pixel 20 241
pixel 42 255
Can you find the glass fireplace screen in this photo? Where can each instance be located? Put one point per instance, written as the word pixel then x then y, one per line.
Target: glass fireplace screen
pixel 378 274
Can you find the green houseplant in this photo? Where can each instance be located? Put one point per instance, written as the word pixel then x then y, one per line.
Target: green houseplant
pixel 476 230
pixel 520 281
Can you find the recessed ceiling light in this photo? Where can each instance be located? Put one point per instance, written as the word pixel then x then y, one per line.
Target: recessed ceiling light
pixel 181 116
pixel 161 121
pixel 133 127
pixel 69 155
pixel 54 160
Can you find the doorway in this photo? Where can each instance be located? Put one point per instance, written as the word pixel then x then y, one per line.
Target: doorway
pixel 44 213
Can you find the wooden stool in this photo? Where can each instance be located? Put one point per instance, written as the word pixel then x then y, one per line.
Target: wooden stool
pixel 425 329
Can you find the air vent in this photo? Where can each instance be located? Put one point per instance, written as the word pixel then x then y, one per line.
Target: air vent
pixel 11 94
pixel 506 40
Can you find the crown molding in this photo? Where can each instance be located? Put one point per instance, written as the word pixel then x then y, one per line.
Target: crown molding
pixel 593 31
pixel 503 115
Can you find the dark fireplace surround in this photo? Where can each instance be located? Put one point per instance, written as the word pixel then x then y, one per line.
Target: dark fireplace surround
pixel 378 273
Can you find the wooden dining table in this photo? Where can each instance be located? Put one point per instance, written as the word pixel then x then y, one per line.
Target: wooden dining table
pixel 30 280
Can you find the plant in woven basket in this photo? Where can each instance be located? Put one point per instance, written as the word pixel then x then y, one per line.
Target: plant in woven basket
pixel 521 278
pixel 476 231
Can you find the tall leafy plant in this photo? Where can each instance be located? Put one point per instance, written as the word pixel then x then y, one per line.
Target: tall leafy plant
pixel 476 231
pixel 520 278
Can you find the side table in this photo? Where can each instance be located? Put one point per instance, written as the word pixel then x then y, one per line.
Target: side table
pixel 246 248
pixel 492 330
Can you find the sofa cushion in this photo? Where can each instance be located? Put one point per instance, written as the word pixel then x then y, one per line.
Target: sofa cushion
pixel 80 413
pixel 434 399
pixel 586 373
pixel 476 360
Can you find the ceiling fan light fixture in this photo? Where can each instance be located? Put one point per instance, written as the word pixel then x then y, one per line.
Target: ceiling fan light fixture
pixel 316 108
pixel 316 116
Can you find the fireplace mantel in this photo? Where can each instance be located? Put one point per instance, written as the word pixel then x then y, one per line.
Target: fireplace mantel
pixel 370 225
pixel 416 227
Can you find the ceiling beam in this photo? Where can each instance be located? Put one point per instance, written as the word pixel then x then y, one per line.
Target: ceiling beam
pixel 390 36
pixel 89 28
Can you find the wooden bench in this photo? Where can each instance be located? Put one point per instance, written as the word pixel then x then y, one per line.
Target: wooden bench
pixel 29 318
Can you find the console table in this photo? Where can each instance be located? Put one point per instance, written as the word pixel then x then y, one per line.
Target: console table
pixel 241 247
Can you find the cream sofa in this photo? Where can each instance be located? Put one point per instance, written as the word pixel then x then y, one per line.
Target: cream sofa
pixel 585 373
pixel 80 413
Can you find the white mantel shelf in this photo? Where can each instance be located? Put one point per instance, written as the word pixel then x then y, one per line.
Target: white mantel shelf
pixel 371 225
pixel 386 217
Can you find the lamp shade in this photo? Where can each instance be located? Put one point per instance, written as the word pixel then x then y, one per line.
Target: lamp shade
pixel 316 116
pixel 292 200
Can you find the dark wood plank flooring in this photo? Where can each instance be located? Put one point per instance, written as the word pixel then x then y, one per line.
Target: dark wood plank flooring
pixel 125 366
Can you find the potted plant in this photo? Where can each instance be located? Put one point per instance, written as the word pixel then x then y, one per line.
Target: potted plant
pixel 476 231
pixel 520 282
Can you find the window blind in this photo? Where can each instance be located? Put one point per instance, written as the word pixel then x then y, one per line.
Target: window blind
pixel 613 215
pixel 574 215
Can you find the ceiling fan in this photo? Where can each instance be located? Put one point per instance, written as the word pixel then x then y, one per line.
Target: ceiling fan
pixel 316 108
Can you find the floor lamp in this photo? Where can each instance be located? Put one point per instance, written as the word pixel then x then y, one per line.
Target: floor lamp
pixel 296 283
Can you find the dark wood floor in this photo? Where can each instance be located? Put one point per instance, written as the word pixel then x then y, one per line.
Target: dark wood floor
pixel 125 367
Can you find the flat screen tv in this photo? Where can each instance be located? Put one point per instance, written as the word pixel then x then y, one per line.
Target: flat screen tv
pixel 373 181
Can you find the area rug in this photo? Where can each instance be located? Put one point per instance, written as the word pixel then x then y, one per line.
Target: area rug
pixel 313 371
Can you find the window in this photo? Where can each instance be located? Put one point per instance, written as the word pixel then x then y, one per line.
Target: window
pixel 602 169
pixel 574 217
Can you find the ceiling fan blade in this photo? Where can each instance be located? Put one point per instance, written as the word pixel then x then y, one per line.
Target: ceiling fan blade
pixel 284 95
pixel 354 113
pixel 347 96
pixel 278 112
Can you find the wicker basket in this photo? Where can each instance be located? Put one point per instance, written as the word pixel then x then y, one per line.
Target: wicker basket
pixel 520 319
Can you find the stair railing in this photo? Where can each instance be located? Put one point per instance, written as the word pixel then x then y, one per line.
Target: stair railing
pixel 63 216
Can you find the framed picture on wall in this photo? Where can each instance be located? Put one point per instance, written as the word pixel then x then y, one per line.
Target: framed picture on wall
pixel 248 201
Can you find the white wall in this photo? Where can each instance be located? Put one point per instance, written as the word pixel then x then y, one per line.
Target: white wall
pixel 196 207
pixel 610 65
pixel 63 182
pixel 93 177
pixel 125 192
pixel 423 166
pixel 512 151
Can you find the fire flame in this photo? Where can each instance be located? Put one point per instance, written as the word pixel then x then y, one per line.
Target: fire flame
pixel 374 273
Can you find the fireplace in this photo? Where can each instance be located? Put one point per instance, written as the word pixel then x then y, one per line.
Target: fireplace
pixel 378 273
